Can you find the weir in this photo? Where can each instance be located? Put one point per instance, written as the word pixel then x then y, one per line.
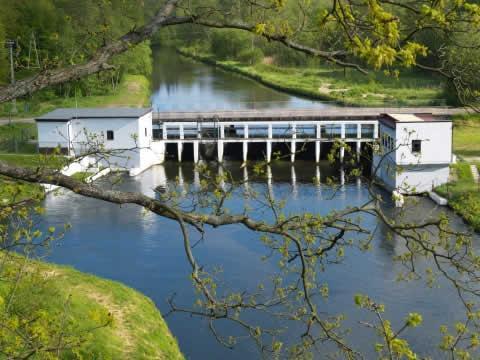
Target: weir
pixel 266 132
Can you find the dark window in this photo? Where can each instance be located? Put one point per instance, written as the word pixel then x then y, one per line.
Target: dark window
pixel 145 131
pixel 416 146
pixel 109 134
pixel 157 134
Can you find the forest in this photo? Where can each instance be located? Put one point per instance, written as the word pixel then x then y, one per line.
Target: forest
pixel 55 33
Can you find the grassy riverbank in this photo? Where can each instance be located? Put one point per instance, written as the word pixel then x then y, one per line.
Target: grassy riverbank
pixel 133 91
pixel 334 84
pixel 134 327
pixel 23 190
pixel 462 192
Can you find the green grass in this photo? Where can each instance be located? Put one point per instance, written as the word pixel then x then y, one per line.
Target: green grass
pixel 137 329
pixel 463 194
pixel 134 91
pixel 333 84
pixel 13 191
pixel 81 175
pixel 18 137
pixel 34 160
pixel 466 135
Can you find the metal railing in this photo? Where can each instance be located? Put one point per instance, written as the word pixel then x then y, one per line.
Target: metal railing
pixel 200 106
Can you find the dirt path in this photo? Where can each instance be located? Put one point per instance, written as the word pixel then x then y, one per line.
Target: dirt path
pixel 119 318
pixel 17 121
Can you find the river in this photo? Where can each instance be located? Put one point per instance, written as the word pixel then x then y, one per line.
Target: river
pixel 181 84
pixel 145 251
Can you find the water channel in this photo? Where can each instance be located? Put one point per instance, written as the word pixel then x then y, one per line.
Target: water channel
pixel 145 251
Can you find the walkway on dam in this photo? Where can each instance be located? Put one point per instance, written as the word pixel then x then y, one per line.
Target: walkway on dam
pixel 341 113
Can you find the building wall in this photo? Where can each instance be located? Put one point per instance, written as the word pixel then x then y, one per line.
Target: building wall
pixel 90 133
pixel 384 165
pixel 145 137
pixel 421 178
pixel 436 142
pixel 52 134
pixel 406 171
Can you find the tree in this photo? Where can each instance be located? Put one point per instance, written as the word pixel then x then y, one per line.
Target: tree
pixel 373 33
pixel 30 327
pixel 372 36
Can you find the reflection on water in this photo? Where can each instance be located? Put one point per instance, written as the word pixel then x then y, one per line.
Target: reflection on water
pixel 185 85
pixel 146 252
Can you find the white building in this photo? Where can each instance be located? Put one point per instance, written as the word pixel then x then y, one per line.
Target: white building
pixel 415 152
pixel 122 135
pixel 414 155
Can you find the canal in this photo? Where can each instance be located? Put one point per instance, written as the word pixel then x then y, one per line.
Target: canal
pixel 146 252
pixel 179 84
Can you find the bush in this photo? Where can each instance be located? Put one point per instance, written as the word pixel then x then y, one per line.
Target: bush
pixel 250 56
pixel 229 44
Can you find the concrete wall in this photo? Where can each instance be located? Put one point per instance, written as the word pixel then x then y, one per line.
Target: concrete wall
pixel 421 178
pixel 90 133
pixel 52 134
pixel 410 172
pixel 145 130
pixel 436 140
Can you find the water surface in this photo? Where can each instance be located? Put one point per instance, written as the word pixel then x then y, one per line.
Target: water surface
pixel 181 84
pixel 145 252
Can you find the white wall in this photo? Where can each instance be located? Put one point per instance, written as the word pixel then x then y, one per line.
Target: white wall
pixel 85 131
pixel 145 122
pixel 436 142
pixel 419 178
pixel 52 134
pixel 413 173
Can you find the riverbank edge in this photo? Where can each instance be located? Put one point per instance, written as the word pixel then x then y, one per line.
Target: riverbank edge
pixel 462 202
pixel 300 91
pixel 133 314
pixel 310 95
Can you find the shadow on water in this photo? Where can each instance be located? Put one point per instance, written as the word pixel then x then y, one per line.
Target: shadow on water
pixel 146 252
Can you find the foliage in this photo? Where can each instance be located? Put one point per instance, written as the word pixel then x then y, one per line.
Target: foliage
pixel 3 55
pixel 67 33
pixel 335 84
pixel 133 91
pixel 52 312
pixel 463 194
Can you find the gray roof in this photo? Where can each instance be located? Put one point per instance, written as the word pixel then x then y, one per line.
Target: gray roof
pixel 93 113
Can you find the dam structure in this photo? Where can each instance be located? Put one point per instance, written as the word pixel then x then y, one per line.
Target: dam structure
pixel 257 134
pixel 417 142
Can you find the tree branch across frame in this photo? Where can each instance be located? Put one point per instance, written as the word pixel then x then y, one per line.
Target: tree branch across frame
pixel 370 34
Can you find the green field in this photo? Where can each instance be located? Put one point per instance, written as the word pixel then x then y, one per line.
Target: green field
pixel 134 91
pixel 466 136
pixel 345 86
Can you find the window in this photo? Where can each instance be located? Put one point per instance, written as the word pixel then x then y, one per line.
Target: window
pixel 146 132
pixel 416 146
pixel 157 134
pixel 109 134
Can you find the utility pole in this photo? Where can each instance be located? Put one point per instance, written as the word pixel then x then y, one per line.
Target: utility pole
pixel 11 45
pixel 33 42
